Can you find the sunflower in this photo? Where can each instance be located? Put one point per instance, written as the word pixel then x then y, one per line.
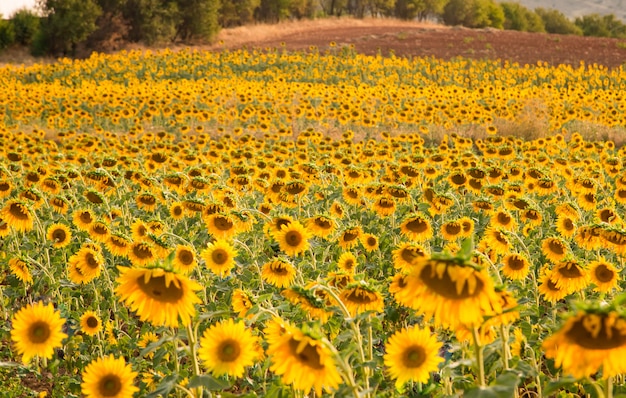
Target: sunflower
pixel 497 240
pixel 570 276
pixel 503 219
pixel 241 303
pixel 278 273
pixel 384 206
pixel 321 226
pixel 308 301
pixel 17 215
pixel 37 331
pixel 359 297
pixel 139 231
pixel 604 275
pixel 184 259
pixel 589 237
pixel 451 230
pixel 141 254
pixel 221 226
pixel 59 234
pixel 565 225
pixel 412 354
pixel 177 211
pixel 158 296
pixel 99 231
pixel 337 210
pixel 19 268
pixel 88 262
pixel 347 262
pixel 219 257
pixel 118 245
pixel 369 242
pixel 228 348
pixel 417 228
pixel 554 248
pixel 451 291
pixel 515 266
pixel 548 289
pixel 350 237
pixel 590 341
pixel 90 323
pixel 293 238
pixel 407 255
pixel 146 201
pixel 83 218
pixel 277 223
pixel 108 377
pixel 303 361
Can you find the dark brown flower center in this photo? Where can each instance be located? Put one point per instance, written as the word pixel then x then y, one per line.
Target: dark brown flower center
pixel 229 350
pixel 185 257
pixel 308 354
pixel 417 226
pixel 59 235
pixel 222 223
pixel 453 228
pixel 361 296
pixel 219 256
pixel 39 332
pixel 156 289
pixel 556 247
pixel 110 385
pixel 414 356
pixel 516 263
pixel 293 238
pixel 605 339
pixel 570 270
pixel 603 273
pixel 92 322
pixel 19 211
pixel 142 251
pixel 445 286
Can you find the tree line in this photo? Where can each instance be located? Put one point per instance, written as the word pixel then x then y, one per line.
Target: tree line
pixel 71 27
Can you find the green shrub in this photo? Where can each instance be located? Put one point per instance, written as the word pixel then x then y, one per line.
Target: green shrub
pixel 518 17
pixel 25 24
pixel 555 21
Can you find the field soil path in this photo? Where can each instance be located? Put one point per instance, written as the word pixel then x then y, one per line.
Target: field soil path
pixel 372 36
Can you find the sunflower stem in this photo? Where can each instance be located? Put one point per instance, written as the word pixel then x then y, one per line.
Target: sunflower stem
pixel 608 392
pixel 191 336
pixel 504 335
pixel 478 349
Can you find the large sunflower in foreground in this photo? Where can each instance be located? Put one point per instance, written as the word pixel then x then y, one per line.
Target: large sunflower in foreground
pixel 412 354
pixel 108 377
pixel 228 348
pixel 158 296
pixel 451 290
pixel 303 361
pixel 589 342
pixel 37 331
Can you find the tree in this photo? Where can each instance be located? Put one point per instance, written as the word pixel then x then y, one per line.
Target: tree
pixel 67 23
pixel 7 34
pixel 473 13
pixel 518 17
pixel 152 21
pixel 601 26
pixel 198 19
pixel 25 26
pixel 555 21
pixel 237 12
pixel 420 9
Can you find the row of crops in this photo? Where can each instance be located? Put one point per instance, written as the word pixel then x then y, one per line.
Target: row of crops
pixel 281 224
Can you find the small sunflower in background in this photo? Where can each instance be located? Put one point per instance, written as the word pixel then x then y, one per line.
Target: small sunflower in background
pixel 184 259
pixel 554 248
pixel 221 226
pixel 278 273
pixel 350 237
pixel 570 275
pixel 347 262
pixel 302 360
pixel 17 215
pixel 59 234
pixel 321 226
pixel 108 377
pixel 90 323
pixel 418 228
pixel 83 218
pixel 219 257
pixel 604 275
pixel 158 296
pixel 228 348
pixel 359 297
pixel 37 331
pixel 407 255
pixel 411 354
pixel 293 239
pixel 591 341
pixel 241 303
pixel 515 266
pixel 369 242
pixel 548 288
pixel 19 268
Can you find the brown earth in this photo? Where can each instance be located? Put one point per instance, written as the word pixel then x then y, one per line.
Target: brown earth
pixel 372 36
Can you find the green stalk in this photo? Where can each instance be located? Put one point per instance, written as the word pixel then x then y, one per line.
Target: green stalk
pixel 191 336
pixel 478 350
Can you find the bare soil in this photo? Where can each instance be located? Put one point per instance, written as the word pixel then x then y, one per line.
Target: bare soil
pixel 385 36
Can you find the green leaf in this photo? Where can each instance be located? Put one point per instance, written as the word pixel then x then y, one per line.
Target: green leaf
pixel 556 385
pixel 165 387
pixel 209 382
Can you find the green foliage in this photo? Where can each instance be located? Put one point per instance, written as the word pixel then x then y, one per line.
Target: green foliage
pixel 333 7
pixel 473 14
pixel 152 21
pixel 273 10
pixel 7 33
pixel 199 19
pixel 601 26
pixel 420 9
pixel 555 21
pixel 25 25
pixel 518 17
pixel 67 23
pixel 237 12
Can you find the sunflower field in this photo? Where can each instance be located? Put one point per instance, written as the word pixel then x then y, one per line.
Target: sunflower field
pixel 303 224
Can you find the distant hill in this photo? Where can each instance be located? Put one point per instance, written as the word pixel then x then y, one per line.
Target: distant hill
pixel 577 8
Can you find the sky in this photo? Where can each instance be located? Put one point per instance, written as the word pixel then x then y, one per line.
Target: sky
pixel 7 7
